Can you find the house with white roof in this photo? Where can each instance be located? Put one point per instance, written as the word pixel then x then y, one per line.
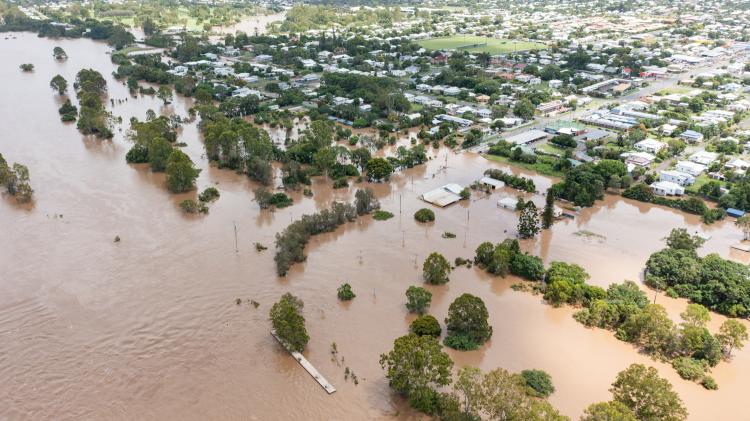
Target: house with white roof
pixel 739 166
pixel 667 188
pixel 691 168
pixel 704 158
pixel 691 136
pixel 651 146
pixel 677 177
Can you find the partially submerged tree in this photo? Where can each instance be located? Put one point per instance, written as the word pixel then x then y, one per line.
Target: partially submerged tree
pixel 288 322
pixel 649 396
pixel 59 54
pixel 418 299
pixel 415 367
pixel 467 323
pixel 59 84
pixel 435 269
pixel 528 222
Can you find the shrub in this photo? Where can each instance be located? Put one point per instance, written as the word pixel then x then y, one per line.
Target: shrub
pixel 448 234
pixel 417 299
pixel 424 215
pixel 425 326
pixel 381 215
pixel 191 206
pixel 281 200
pixel 345 292
pixel 709 383
pixel 539 381
pixel 688 368
pixel 209 194
pixel 340 183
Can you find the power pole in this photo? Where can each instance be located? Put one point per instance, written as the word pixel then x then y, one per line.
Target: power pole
pixel 236 246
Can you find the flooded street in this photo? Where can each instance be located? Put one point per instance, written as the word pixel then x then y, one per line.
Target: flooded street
pixel 148 328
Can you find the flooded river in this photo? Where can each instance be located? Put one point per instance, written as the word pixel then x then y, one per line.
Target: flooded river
pixel 148 328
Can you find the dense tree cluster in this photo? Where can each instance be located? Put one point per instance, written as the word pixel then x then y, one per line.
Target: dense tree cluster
pixel 506 257
pixel 519 183
pixel 625 309
pixel 93 119
pixel 290 243
pixel 384 94
pixel 417 367
pixel 153 140
pixel 585 184
pixel 238 145
pixel 694 205
pixel 717 283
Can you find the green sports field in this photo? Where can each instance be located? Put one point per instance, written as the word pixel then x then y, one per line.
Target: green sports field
pixel 476 44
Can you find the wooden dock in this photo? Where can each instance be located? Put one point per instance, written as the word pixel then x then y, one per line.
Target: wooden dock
pixel 328 387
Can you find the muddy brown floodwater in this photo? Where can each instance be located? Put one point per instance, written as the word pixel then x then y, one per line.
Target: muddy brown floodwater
pixel 148 328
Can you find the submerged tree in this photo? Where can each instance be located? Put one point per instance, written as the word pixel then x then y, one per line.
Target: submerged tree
pixel 467 323
pixel 181 172
pixel 548 217
pixel 528 222
pixel 59 84
pixel 164 93
pixel 418 299
pixel 435 269
pixel 59 53
pixel 649 396
pixel 288 322
pixel 15 179
pixel 415 367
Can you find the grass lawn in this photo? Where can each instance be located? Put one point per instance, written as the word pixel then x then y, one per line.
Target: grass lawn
pixel 477 44
pixel 676 90
pixel 540 167
pixel 550 148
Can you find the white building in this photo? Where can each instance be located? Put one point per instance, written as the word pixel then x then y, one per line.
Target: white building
pixel 738 165
pixel 703 157
pixel 691 168
pixel 443 196
pixel 677 177
pixel 667 188
pixel 652 146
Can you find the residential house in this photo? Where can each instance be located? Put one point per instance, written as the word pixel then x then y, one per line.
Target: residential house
pixel 691 168
pixel 677 177
pixel 703 157
pixel 691 136
pixel 651 146
pixel 667 188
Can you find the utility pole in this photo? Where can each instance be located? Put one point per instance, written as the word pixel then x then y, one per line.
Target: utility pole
pixel 236 245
